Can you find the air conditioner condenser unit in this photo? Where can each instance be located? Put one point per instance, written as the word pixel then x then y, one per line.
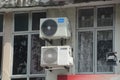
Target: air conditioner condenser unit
pixel 55 28
pixel 56 56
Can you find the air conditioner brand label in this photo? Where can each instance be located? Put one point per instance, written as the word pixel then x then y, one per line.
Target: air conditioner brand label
pixel 63 48
pixel 61 20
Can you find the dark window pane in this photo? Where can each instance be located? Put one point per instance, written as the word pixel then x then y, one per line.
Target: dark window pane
pixel 79 1
pixel 21 22
pixel 20 54
pixel 105 16
pixel 104 45
pixel 86 18
pixel 36 44
pixel 1 23
pixel 1 46
pixel 37 78
pixel 85 52
pixel 19 79
pixel 36 19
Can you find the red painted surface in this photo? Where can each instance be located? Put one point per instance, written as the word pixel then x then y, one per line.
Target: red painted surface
pixel 90 77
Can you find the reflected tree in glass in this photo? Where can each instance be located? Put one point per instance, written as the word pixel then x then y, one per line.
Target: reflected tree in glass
pixel 20 54
pixel 104 45
pixel 1 23
pixel 105 17
pixel 36 44
pixel 85 51
pixel 85 18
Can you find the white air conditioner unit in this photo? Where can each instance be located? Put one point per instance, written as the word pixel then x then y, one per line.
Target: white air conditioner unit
pixel 54 28
pixel 56 56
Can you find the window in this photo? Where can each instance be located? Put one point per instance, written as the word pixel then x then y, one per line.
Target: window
pixel 1 23
pixel 36 44
pixel 21 22
pixel 105 17
pixel 27 47
pixel 20 54
pixel 36 20
pixel 94 39
pixel 85 53
pixel 85 19
pixel 79 1
pixel 104 45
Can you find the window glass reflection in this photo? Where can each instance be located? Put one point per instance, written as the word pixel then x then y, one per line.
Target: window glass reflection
pixel 21 22
pixel 104 45
pixel 105 17
pixel 20 54
pixel 86 18
pixel 36 19
pixel 85 51
pixel 36 44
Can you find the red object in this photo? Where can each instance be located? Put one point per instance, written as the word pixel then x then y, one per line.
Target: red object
pixel 90 77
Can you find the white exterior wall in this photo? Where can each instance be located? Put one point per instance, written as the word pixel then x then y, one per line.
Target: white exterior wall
pixel 71 14
pixel 117 37
pixel 7 47
pixel 67 12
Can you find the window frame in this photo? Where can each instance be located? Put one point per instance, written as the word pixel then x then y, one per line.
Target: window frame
pixel 1 35
pixel 94 29
pixel 29 33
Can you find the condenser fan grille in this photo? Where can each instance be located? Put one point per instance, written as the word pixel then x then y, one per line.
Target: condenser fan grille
pixel 50 56
pixel 49 27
